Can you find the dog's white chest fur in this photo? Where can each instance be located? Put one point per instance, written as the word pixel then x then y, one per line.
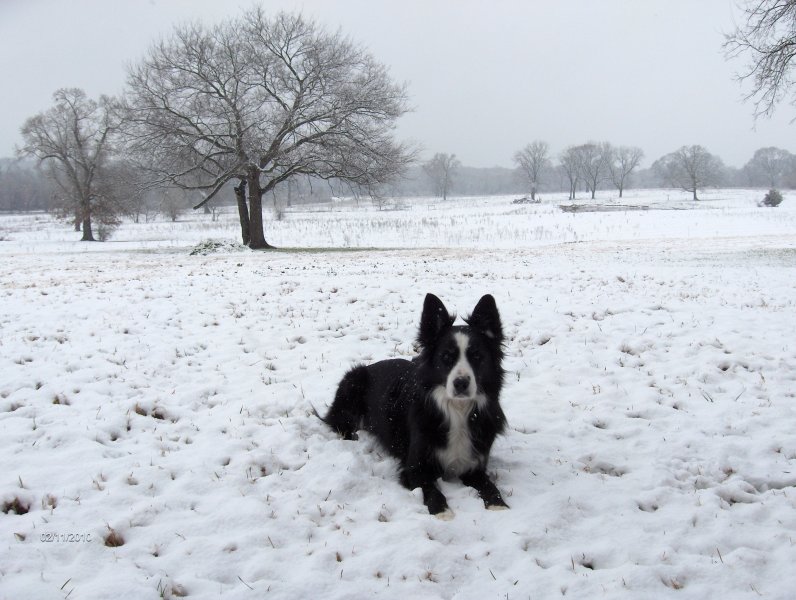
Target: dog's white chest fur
pixel 458 456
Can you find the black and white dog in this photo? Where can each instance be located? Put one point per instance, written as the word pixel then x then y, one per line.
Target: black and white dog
pixel 438 413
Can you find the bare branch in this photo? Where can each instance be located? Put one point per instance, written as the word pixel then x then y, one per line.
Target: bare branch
pixel 767 39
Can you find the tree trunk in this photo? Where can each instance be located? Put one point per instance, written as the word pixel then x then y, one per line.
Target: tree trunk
pixel 533 191
pixel 77 220
pixel 243 211
pixel 256 235
pixel 85 213
pixel 620 190
pixel 695 195
pixel 88 235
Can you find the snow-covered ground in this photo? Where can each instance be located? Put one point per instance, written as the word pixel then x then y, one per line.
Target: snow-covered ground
pixel 155 407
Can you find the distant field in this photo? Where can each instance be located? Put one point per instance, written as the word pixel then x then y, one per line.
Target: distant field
pixel 471 222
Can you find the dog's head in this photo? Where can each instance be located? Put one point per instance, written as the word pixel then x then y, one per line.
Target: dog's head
pixel 461 364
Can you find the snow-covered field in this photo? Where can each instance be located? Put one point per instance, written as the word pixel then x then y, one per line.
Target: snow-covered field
pixel 157 435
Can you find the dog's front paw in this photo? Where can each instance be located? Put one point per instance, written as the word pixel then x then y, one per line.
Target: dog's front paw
pixel 445 515
pixel 496 503
pixel 434 500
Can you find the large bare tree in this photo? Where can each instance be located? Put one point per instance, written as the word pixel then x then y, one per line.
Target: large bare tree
pixel 624 160
pixel 72 140
pixel 255 101
pixel 767 40
pixel 440 169
pixel 532 161
pixel 690 168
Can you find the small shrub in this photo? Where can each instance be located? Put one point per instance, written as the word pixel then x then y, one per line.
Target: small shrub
pixel 105 231
pixel 772 198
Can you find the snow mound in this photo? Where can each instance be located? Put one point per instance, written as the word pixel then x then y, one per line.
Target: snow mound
pixel 211 246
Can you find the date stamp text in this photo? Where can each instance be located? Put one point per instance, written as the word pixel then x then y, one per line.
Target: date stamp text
pixel 65 538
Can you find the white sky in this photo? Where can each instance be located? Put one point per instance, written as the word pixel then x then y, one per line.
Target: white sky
pixel 486 77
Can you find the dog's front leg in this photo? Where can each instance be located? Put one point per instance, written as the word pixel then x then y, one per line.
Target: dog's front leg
pixel 480 482
pixel 420 472
pixel 414 477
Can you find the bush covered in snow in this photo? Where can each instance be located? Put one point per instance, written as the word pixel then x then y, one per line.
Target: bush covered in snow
pixel 772 198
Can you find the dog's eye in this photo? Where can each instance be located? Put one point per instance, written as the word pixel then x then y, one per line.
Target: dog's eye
pixel 475 356
pixel 448 357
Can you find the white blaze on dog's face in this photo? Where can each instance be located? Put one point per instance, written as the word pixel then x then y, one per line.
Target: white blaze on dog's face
pixel 461 384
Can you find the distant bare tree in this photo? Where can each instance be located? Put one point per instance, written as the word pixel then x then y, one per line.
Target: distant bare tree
pixel 139 198
pixel 440 170
pixel 769 166
pixel 72 140
pixel 623 162
pixel 594 161
pixel 257 101
pixel 532 162
pixel 767 39
pixel 570 164
pixel 691 168
pixel 174 201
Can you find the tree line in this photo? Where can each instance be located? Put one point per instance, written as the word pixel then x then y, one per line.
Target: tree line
pixel 24 187
pixel 597 166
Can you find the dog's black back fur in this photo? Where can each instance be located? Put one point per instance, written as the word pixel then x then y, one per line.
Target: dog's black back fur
pixel 439 413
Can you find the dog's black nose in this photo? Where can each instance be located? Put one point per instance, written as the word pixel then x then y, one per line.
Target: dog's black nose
pixel 461 384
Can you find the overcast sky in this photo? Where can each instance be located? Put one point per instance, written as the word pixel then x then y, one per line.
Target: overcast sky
pixel 485 76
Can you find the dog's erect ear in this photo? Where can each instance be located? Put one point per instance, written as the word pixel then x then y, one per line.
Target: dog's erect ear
pixel 486 319
pixel 434 320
